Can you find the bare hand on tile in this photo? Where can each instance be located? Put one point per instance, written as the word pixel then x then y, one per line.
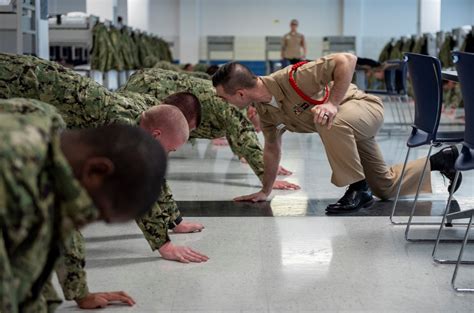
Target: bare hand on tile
pixel 181 254
pixel 103 299
pixel 188 227
pixel 284 185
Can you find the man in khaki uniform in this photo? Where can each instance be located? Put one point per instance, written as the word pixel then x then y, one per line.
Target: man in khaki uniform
pixel 293 45
pixel 347 120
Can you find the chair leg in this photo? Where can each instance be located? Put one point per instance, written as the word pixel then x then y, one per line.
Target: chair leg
pixel 438 237
pixel 459 261
pixel 394 208
pixel 412 214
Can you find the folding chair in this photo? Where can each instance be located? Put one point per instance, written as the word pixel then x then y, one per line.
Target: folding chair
pixel 425 73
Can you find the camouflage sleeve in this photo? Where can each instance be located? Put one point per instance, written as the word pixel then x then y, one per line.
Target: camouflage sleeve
pixel 154 224
pixel 167 204
pixel 8 301
pixel 31 106
pixel 242 138
pixel 70 268
pixel 81 101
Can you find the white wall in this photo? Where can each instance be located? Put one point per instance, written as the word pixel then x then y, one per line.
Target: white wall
pixel 251 20
pixel 164 21
pixel 455 13
pixel 104 9
pixel 65 6
pixel 384 19
pixel 139 14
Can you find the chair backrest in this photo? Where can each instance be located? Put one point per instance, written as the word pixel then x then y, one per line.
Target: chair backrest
pixel 389 80
pixel 425 75
pixel 401 78
pixel 464 63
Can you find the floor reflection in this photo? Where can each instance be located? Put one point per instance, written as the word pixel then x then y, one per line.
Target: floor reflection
pixel 312 207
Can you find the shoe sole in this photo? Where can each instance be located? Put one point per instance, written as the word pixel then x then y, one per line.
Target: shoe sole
pixel 366 205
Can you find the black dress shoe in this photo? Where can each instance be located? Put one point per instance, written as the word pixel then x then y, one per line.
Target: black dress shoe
pixel 443 161
pixel 352 200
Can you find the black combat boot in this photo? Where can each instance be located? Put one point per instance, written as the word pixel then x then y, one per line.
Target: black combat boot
pixel 443 161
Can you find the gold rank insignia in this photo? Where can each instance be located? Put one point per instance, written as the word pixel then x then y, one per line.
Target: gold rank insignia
pixel 300 108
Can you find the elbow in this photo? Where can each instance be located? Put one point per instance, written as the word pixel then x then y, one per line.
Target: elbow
pixel 351 59
pixel 348 59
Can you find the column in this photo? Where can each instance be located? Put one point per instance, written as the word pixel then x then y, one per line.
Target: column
pixel 429 16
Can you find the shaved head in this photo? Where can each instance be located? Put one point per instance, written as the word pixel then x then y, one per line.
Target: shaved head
pixel 167 124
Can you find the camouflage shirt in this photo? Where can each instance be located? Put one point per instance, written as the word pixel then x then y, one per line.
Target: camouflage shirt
pixel 81 101
pixel 91 105
pixel 218 118
pixel 40 203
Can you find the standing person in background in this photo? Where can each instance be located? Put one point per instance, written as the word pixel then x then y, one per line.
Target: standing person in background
pixel 293 45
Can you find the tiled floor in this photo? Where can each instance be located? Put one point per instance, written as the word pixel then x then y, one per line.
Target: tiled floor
pixel 282 256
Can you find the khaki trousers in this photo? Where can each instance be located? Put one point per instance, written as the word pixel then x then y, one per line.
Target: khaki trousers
pixel 354 154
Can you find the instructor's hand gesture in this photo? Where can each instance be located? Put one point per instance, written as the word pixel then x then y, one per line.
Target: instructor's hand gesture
pixel 324 114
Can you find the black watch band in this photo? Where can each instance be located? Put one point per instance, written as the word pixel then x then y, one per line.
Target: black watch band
pixel 175 223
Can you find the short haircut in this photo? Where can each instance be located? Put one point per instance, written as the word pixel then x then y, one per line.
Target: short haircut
pixel 167 118
pixel 139 165
pixel 189 105
pixel 233 76
pixel 211 70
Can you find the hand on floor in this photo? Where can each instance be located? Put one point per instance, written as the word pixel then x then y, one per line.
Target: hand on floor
pixel 220 142
pixel 284 185
pixel 283 171
pixel 181 254
pixel 255 197
pixel 102 299
pixel 188 227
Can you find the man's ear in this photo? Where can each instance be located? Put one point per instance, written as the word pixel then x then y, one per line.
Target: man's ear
pixel 241 92
pixel 156 133
pixel 94 171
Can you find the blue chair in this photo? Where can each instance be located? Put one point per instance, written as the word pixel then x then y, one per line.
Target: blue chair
pixel 465 67
pixel 425 73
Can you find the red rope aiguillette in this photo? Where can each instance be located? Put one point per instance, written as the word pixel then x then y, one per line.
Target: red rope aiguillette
pixel 300 92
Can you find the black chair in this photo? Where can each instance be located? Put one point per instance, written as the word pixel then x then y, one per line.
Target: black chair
pixel 395 79
pixel 425 73
pixel 465 67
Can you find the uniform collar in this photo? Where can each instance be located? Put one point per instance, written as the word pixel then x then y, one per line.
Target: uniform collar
pixel 74 203
pixel 273 88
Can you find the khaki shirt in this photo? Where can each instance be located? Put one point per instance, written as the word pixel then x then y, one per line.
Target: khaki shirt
pixel 292 45
pixel 293 113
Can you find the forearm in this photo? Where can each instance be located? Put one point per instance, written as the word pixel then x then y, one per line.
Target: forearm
pixel 154 226
pixel 342 76
pixel 250 150
pixel 271 160
pixel 70 269
pixel 169 207
pixel 8 299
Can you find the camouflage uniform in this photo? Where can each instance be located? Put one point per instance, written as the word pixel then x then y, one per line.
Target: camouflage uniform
pixel 40 204
pixel 218 118
pixel 164 65
pixel 83 103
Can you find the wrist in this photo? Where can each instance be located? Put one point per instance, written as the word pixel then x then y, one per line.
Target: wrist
pixel 79 300
pixel 266 190
pixel 175 223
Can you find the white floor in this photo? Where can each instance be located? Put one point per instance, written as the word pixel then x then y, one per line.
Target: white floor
pixel 278 264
